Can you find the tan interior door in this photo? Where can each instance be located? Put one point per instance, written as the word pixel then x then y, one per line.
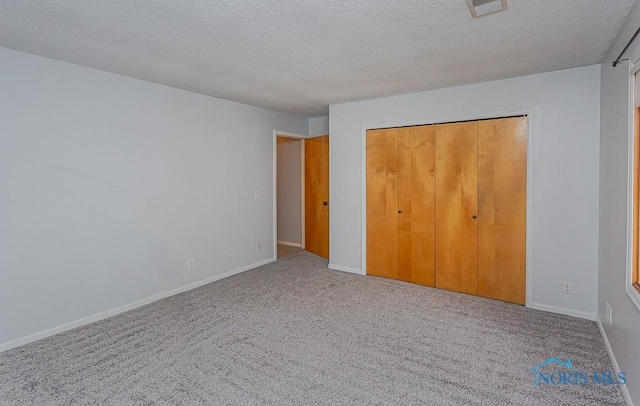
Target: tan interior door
pixel 316 194
pixel 502 200
pixel 416 219
pixel 456 207
pixel 382 202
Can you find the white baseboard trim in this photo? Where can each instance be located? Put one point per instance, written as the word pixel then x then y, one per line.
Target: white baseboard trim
pixel 563 310
pixel 290 244
pixel 80 322
pixel 345 269
pixel 125 308
pixel 614 362
pixel 214 278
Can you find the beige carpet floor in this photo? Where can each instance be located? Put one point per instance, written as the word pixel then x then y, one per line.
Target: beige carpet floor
pixel 295 333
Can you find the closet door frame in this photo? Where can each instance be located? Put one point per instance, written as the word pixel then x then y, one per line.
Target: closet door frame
pixel 529 113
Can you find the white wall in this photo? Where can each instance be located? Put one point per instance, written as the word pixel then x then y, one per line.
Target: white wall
pixel 624 334
pixel 318 126
pixel 565 180
pixel 289 190
pixel 108 184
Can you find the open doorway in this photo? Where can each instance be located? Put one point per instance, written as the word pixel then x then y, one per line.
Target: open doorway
pixel 300 194
pixel 289 207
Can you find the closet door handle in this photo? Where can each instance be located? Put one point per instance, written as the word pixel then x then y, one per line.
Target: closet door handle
pixel 399 211
pixel 475 217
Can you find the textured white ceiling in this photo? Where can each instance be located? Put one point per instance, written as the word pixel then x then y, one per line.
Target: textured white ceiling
pixel 299 56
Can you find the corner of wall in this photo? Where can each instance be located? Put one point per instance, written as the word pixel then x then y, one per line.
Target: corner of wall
pixel 318 126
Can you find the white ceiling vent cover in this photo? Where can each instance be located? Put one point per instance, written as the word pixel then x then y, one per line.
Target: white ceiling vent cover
pixel 481 8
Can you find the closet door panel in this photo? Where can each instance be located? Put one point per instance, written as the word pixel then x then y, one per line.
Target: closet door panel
pixel 416 224
pixel 456 206
pixel 502 177
pixel 382 203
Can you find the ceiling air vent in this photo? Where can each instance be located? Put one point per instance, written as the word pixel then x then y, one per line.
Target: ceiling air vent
pixel 481 8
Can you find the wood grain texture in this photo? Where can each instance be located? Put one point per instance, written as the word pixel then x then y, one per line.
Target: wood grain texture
pixel 502 205
pixel 636 193
pixel 382 202
pixel 416 223
pixel 316 155
pixel 456 204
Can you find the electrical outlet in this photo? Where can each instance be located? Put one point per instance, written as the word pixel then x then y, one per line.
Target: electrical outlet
pixel 191 264
pixel 256 194
pixel 568 288
pixel 609 313
pixel 259 246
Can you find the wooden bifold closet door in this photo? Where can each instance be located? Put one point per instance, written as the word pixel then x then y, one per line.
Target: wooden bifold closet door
pixel 502 207
pixel 457 207
pixel 382 203
pixel 400 203
pixel 446 206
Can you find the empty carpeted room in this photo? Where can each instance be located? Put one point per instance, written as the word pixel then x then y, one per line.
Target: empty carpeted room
pixel 332 202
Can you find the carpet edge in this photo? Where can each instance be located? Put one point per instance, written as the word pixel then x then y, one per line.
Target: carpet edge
pixel 18 342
